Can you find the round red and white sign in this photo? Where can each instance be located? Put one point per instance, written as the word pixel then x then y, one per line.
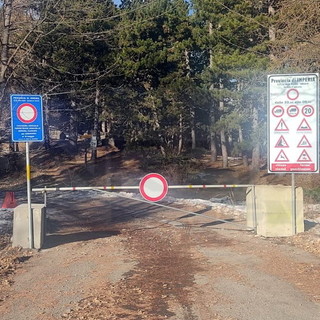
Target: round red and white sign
pixel 153 187
pixel 292 111
pixel 293 94
pixel 27 113
pixel 278 111
pixel 308 110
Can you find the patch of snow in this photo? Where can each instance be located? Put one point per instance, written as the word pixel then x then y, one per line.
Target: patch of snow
pixel 223 204
pixel 6 217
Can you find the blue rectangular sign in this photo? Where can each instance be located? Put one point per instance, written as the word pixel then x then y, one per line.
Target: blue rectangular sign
pixel 26 118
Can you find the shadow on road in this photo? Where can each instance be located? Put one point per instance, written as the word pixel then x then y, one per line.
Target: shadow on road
pixel 309 225
pixel 55 240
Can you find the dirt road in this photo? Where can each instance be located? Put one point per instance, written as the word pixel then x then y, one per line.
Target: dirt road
pixel 120 259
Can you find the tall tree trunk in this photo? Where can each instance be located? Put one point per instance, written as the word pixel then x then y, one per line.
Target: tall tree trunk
pixel 46 123
pixel 111 141
pixel 73 131
pixel 5 43
pixel 156 127
pixel 213 137
pixel 242 154
pixel 180 134
pixel 255 164
pixel 5 47
pixel 192 109
pixel 272 31
pixel 213 145
pixel 224 149
pixel 95 133
pixel 106 127
pixel 193 129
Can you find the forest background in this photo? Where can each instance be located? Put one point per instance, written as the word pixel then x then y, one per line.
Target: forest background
pixel 165 77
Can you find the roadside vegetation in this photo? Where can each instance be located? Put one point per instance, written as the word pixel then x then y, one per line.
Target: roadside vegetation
pixel 166 78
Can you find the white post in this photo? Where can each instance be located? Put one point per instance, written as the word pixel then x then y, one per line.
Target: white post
pixel 254 217
pixel 30 217
pixel 294 213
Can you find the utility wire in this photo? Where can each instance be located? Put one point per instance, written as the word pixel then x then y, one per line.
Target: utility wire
pixel 240 14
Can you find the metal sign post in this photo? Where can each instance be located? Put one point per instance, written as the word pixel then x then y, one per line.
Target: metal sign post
pixel 27 126
pixel 30 216
pixel 294 209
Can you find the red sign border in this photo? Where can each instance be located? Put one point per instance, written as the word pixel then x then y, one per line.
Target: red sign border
pixel 304 151
pixel 303 130
pixel 32 107
pixel 292 116
pixel 296 91
pixel 308 105
pixel 277 158
pixel 281 130
pixel 143 182
pixel 282 137
pixel 277 106
pixel 309 144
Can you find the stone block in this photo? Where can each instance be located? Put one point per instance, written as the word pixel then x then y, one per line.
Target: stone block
pixel 269 210
pixel 21 225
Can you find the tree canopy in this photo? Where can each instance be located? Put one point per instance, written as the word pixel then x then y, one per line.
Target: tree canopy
pixel 172 75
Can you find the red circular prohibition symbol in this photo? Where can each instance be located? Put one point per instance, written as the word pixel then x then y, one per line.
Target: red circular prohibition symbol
pixel 292 111
pixel 293 94
pixel 153 187
pixel 278 111
pixel 27 113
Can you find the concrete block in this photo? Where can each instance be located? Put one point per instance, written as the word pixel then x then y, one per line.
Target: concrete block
pixel 21 225
pixel 269 209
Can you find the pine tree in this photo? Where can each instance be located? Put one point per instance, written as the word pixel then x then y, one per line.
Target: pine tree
pixel 156 55
pixel 73 57
pixel 234 36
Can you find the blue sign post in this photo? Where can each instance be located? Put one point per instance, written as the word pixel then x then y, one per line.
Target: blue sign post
pixel 26 118
pixel 27 126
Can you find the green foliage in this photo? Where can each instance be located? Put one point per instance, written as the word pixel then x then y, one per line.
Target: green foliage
pixel 160 70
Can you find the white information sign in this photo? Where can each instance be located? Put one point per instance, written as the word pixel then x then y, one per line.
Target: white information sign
pixel 293 103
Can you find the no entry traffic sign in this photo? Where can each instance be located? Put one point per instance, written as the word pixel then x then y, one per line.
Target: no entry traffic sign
pixel 26 118
pixel 27 113
pixel 293 103
pixel 153 187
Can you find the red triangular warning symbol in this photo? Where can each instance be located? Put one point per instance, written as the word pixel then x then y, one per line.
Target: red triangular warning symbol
pixel 304 126
pixel 281 126
pixel 282 143
pixel 304 157
pixel 304 143
pixel 281 157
